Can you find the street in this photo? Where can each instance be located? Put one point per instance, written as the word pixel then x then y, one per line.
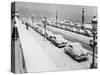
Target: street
pixel 53 52
pixel 73 37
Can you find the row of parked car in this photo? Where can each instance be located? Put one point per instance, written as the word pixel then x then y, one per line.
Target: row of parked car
pixel 74 29
pixel 86 32
pixel 73 49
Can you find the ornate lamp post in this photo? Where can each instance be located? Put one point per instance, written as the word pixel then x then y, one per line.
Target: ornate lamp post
pixel 94 26
pixel 33 18
pixel 56 18
pixel 45 23
pixel 83 18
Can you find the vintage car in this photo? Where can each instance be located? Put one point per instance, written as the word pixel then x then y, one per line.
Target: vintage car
pixel 39 29
pixel 75 30
pixel 69 28
pixel 76 51
pixel 59 41
pixel 36 27
pixel 88 33
pixel 46 32
pixel 42 32
pixel 81 31
pixel 50 35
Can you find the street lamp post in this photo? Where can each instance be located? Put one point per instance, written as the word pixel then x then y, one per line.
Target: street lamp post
pixel 83 18
pixel 45 22
pixel 33 18
pixel 56 18
pixel 94 25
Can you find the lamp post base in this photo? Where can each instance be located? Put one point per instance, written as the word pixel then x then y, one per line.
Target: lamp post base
pixel 93 66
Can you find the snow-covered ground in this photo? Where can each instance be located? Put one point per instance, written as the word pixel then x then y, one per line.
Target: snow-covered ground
pixel 41 55
pixel 36 60
pixel 62 61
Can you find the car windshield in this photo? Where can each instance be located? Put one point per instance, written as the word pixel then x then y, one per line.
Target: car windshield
pixel 77 48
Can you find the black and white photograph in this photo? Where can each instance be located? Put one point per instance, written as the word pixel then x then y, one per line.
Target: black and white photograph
pixel 48 37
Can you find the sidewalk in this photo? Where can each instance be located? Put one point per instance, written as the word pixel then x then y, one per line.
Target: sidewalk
pixel 36 60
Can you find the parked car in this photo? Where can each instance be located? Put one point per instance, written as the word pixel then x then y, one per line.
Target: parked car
pixel 63 27
pixel 42 32
pixel 50 35
pixel 39 29
pixel 76 51
pixel 35 27
pixel 75 30
pixel 88 33
pixel 59 41
pixel 47 33
pixel 81 31
pixel 60 26
pixel 69 28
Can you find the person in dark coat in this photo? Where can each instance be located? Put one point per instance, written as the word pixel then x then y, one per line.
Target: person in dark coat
pixel 15 34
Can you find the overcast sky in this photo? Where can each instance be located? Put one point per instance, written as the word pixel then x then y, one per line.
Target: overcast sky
pixel 72 12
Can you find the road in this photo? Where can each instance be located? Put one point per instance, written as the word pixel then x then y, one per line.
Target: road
pixel 58 56
pixel 67 36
